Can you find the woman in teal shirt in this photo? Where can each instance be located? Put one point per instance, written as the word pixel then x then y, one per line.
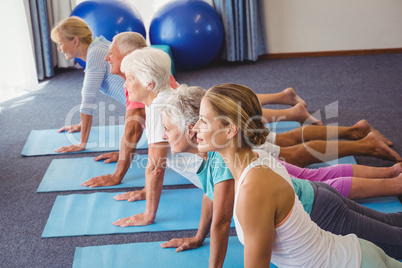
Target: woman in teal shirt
pixel 330 210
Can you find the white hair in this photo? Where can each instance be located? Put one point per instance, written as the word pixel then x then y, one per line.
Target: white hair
pixel 129 41
pixel 148 65
pixel 183 106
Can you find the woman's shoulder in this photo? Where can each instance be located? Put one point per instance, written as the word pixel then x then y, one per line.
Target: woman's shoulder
pixel 264 178
pixel 99 46
pixel 97 52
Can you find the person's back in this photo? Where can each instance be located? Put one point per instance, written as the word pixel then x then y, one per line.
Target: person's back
pixel 299 242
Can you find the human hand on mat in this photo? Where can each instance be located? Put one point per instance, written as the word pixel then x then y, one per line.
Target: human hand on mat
pixel 135 220
pixel 108 157
pixel 70 129
pixel 71 148
pixel 131 196
pixel 103 180
pixel 182 244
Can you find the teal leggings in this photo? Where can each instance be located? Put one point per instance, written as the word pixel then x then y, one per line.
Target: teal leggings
pixel 375 257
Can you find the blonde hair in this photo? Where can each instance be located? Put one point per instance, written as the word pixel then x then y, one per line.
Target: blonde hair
pixel 129 41
pixel 70 27
pixel 239 105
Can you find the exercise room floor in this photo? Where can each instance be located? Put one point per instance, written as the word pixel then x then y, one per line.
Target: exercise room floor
pixel 361 86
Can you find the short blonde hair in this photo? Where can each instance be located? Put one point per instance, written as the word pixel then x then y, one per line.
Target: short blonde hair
pixel 239 105
pixel 148 65
pixel 70 27
pixel 129 41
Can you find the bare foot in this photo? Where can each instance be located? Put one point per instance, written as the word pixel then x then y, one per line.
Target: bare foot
pixel 293 98
pixel 366 128
pixel 304 116
pixel 382 150
pixel 397 169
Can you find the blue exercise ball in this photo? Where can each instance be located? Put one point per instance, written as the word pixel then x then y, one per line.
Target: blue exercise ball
pixel 192 29
pixel 109 17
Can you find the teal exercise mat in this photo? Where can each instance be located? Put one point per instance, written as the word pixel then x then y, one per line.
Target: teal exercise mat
pixel 101 139
pixel 152 255
pixel 386 204
pixel 68 174
pixel 342 160
pixel 94 214
pixel 282 126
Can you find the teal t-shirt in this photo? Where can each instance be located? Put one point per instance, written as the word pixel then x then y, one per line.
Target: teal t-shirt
pixel 213 171
pixel 305 193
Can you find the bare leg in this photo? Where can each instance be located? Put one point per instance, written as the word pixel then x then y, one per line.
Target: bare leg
pixel 372 187
pixel 314 132
pixel 297 113
pixel 287 97
pixel 377 172
pixel 320 151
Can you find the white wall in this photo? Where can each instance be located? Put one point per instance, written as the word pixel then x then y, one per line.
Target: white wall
pixel 328 25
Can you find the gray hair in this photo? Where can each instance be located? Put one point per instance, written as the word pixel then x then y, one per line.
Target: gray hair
pixel 148 65
pixel 183 106
pixel 129 41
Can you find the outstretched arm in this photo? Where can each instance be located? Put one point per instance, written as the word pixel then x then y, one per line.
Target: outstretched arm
pixel 132 134
pixel 154 174
pixel 221 220
pixel 257 219
pixel 215 216
pixel 264 200
pixel 85 128
pixel 203 229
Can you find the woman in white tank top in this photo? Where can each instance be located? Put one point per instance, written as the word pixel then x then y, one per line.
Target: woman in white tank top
pixel 270 220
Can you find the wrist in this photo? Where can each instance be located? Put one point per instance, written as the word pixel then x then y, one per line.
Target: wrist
pixel 199 239
pixel 117 179
pixel 82 145
pixel 118 175
pixel 149 218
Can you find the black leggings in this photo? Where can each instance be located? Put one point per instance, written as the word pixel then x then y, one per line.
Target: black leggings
pixel 340 215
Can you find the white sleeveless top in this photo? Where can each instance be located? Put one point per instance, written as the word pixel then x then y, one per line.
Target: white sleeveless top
pixel 298 241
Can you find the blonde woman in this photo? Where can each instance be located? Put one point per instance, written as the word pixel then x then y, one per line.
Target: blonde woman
pixel 74 39
pixel 270 219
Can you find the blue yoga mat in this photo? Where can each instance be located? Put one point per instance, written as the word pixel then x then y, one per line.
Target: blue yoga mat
pixel 68 174
pixel 283 126
pixel 387 204
pixel 94 214
pixel 101 139
pixel 151 255
pixel 342 160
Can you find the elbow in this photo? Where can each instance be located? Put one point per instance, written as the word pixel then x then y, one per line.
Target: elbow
pixel 155 171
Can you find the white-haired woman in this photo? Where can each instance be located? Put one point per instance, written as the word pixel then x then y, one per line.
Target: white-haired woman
pixel 180 115
pixel 147 72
